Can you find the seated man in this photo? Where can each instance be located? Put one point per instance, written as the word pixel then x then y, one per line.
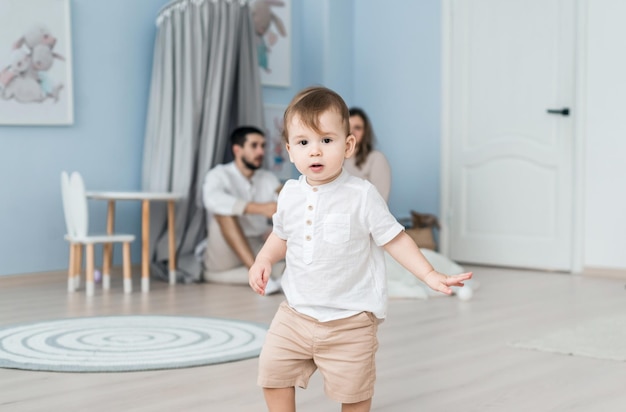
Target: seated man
pixel 240 199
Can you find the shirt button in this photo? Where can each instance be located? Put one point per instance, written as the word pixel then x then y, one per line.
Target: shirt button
pixel 315 189
pixel 308 237
pixel 308 222
pixel 310 207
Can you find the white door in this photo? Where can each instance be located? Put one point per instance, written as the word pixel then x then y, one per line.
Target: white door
pixel 510 197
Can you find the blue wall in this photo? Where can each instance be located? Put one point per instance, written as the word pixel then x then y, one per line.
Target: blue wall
pixel 385 58
pixel 397 80
pixel 112 62
pixel 322 49
pixel 382 56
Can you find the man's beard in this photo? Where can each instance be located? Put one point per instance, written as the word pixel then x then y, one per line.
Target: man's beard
pixel 250 166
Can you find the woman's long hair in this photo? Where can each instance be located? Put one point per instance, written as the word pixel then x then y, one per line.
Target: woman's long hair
pixel 367 142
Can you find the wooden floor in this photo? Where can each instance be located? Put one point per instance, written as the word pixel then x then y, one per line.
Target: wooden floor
pixel 440 354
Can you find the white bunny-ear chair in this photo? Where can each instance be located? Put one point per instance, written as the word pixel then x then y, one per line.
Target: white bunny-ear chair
pixel 77 225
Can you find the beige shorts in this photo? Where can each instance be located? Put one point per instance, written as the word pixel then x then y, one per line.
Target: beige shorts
pixel 344 350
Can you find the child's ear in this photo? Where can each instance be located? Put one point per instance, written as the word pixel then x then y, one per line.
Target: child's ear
pixel 350 145
pixel 288 147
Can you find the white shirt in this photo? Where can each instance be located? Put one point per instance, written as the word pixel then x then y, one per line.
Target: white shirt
pixel 227 192
pixel 335 233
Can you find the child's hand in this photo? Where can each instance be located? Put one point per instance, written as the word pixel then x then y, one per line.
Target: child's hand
pixel 258 275
pixel 441 283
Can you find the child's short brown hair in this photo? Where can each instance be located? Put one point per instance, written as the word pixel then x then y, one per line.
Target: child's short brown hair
pixel 310 103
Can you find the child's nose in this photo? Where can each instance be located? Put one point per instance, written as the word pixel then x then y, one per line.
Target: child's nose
pixel 316 150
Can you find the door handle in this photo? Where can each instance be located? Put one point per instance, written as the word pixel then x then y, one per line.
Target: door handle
pixel 563 112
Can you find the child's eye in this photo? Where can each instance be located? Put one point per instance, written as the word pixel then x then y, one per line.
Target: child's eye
pixel 303 142
pixel 327 140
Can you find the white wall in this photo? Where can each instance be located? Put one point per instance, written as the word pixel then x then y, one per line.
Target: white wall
pixel 605 154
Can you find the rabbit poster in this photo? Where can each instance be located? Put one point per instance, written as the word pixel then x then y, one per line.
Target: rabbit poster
pixel 35 62
pixel 276 156
pixel 272 28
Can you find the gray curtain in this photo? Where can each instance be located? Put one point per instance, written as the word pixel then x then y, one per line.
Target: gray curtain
pixel 205 81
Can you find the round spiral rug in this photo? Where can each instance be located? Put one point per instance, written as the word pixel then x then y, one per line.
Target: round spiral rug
pixel 128 343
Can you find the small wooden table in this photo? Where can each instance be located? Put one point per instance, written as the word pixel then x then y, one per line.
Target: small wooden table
pixel 145 198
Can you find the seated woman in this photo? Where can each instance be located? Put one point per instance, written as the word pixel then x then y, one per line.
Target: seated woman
pixel 367 163
pixel 370 164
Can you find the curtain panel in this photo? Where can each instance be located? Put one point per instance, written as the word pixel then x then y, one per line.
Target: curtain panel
pixel 205 81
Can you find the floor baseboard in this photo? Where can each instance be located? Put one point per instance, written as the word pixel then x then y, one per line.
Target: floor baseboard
pixel 613 273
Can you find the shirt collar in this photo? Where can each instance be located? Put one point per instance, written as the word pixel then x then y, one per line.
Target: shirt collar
pixel 325 187
pixel 236 170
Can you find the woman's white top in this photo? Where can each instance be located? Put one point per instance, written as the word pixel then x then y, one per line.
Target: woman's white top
pixel 375 169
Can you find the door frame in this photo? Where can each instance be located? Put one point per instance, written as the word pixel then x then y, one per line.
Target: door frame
pixel 579 131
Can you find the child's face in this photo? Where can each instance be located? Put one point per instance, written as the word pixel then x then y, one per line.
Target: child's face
pixel 319 157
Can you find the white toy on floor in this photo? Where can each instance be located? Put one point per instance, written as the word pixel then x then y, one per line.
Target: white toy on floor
pixel 465 293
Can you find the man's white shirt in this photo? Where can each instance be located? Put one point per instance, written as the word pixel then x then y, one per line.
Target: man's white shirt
pixel 227 192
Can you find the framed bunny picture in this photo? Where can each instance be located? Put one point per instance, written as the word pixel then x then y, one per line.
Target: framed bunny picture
pixel 276 156
pixel 35 63
pixel 272 33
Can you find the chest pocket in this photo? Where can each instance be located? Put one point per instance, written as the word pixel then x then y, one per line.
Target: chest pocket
pixel 337 228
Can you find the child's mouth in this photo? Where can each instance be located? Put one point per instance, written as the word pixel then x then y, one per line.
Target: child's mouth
pixel 316 167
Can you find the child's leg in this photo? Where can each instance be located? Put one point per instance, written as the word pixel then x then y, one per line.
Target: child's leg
pixel 345 355
pixel 281 399
pixel 286 361
pixel 363 406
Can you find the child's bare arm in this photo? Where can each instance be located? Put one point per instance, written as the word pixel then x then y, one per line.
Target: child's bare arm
pixel 403 249
pixel 273 250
